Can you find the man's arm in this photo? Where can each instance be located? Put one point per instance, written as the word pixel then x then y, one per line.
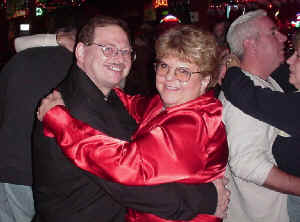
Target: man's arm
pixel 259 102
pixel 172 201
pixel 65 39
pixel 282 182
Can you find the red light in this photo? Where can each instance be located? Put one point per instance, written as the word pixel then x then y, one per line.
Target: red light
pixel 170 18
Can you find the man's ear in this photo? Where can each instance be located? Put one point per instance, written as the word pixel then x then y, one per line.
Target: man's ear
pixel 79 52
pixel 250 46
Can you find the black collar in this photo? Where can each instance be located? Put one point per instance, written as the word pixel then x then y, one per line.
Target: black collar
pixel 87 103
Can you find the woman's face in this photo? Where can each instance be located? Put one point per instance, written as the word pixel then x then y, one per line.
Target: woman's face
pixel 294 62
pixel 173 91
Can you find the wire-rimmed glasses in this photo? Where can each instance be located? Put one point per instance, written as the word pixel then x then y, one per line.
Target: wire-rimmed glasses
pixel 111 51
pixel 183 74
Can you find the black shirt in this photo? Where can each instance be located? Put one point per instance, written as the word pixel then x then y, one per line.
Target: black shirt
pixel 27 77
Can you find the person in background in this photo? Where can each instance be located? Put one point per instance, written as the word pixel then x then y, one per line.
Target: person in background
pixel 64 192
pixel 275 108
pixel 26 77
pixel 141 79
pixel 219 29
pixel 23 81
pixel 181 137
pixel 4 44
pixel 257 185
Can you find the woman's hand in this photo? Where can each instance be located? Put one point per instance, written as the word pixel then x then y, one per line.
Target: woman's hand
pixel 228 61
pixel 53 99
pixel 232 60
pixel 223 197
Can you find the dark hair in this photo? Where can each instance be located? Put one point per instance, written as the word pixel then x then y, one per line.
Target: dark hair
pixel 86 34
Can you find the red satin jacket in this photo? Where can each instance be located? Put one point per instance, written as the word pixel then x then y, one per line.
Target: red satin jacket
pixel 184 143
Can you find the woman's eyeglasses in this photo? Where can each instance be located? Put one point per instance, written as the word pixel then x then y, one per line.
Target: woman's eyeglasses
pixel 183 74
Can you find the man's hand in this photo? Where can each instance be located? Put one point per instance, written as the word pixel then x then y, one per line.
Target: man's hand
pixel 49 102
pixel 223 197
pixel 66 39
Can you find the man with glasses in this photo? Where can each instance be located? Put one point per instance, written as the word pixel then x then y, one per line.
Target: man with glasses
pixel 63 192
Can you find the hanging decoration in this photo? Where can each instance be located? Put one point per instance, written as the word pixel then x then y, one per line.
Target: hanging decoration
pixel 170 18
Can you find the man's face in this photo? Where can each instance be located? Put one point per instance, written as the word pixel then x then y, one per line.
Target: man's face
pixel 105 71
pixel 270 44
pixel 219 29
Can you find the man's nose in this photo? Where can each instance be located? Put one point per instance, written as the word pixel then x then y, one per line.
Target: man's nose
pixel 282 37
pixel 117 55
pixel 116 52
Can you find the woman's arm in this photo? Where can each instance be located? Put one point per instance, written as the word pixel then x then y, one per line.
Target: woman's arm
pixel 276 108
pixel 136 105
pixel 169 153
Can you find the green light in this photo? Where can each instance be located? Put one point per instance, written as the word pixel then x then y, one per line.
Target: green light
pixel 39 11
pixel 165 12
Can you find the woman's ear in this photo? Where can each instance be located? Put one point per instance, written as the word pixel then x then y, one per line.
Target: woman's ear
pixel 206 80
pixel 204 83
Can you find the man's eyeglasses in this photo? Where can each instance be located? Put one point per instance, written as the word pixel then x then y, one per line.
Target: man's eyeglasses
pixel 111 51
pixel 181 73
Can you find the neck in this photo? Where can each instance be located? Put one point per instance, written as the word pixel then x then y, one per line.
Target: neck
pixel 104 91
pixel 256 68
pixel 102 88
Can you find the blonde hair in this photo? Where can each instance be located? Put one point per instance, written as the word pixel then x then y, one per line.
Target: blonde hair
pixel 191 44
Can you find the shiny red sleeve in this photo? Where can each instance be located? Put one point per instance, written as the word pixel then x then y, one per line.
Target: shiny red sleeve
pixel 135 105
pixel 180 150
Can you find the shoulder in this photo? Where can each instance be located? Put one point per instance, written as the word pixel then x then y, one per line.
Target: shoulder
pixel 49 52
pixel 204 110
pixel 36 68
pixel 40 56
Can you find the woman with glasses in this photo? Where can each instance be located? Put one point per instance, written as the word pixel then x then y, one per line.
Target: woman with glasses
pixel 181 137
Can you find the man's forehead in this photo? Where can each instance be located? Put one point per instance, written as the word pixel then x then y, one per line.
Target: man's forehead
pixel 266 23
pixel 109 30
pixel 110 33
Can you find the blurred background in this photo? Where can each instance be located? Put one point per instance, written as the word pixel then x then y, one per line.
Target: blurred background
pixel 26 17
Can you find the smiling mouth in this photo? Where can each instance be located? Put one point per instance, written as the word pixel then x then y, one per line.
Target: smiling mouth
pixel 172 88
pixel 116 67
